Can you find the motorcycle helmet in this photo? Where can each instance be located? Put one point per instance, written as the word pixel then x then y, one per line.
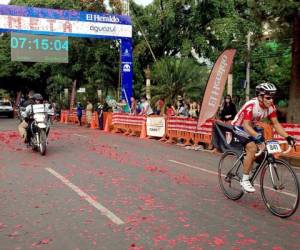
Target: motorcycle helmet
pixel 37 97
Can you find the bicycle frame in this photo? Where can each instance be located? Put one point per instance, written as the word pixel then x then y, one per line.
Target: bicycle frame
pixel 267 158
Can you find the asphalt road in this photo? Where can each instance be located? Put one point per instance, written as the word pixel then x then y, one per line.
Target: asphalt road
pixel 96 190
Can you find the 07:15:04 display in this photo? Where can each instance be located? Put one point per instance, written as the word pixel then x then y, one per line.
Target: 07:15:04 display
pixel 39 44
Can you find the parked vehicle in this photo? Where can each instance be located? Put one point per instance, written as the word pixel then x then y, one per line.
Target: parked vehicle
pixel 6 109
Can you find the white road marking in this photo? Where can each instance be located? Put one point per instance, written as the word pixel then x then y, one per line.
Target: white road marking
pixel 194 167
pixel 88 198
pixel 81 135
pixel 216 173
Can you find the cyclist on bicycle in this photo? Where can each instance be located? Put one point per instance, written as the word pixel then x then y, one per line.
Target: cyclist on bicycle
pixel 250 136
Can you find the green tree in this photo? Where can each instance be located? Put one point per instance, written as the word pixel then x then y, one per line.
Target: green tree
pixel 93 63
pixel 284 17
pixel 175 28
pixel 174 76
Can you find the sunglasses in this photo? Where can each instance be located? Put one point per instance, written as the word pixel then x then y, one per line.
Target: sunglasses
pixel 269 98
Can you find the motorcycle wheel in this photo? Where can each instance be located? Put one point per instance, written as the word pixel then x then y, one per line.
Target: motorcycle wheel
pixel 43 142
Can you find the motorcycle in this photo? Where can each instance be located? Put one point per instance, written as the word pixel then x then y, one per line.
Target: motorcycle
pixel 38 130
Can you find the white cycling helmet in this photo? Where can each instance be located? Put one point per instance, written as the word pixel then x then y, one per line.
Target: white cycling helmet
pixel 266 88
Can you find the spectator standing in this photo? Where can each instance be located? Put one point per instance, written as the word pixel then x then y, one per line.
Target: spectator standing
pixel 79 109
pixel 100 115
pixel 199 104
pixel 133 105
pixel 159 105
pixel 228 109
pixel 170 111
pixel 89 113
pixel 123 106
pixel 181 110
pixel 146 108
pixel 193 110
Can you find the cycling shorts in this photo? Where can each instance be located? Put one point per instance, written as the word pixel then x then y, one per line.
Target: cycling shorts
pixel 241 136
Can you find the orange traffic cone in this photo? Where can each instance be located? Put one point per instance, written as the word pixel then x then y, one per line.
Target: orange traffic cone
pixel 106 127
pixel 93 122
pixel 62 117
pixel 66 117
pixel 143 134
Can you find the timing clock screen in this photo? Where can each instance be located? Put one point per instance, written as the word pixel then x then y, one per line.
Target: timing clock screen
pixel 39 48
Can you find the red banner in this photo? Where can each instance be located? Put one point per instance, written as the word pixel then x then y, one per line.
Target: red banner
pixel 215 86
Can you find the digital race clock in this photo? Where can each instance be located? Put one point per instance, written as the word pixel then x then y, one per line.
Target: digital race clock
pixel 39 48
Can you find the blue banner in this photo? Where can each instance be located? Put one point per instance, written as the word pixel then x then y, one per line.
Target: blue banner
pixel 127 68
pixel 71 15
pixel 45 21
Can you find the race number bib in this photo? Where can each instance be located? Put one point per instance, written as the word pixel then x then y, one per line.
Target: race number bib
pixel 273 147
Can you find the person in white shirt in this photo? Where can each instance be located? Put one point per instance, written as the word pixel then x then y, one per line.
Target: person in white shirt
pixel 146 108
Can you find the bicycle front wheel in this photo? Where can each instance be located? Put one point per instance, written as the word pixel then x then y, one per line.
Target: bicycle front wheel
pixel 280 188
pixel 230 173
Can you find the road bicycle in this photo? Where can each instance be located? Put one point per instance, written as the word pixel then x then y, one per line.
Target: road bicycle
pixel 278 183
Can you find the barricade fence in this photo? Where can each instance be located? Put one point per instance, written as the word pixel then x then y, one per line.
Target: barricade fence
pixel 129 124
pixel 186 129
pixel 291 129
pixel 169 129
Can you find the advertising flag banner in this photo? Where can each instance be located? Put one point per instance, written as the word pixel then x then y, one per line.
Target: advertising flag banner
pixel 215 86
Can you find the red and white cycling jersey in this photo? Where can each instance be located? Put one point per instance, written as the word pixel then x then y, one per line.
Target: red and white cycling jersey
pixel 252 111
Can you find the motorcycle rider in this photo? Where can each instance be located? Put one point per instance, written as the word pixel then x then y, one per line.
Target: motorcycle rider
pixel 32 109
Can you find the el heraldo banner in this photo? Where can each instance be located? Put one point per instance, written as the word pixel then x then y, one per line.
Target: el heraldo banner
pixel 215 86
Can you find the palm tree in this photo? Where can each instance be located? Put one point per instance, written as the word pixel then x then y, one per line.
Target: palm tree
pixel 173 76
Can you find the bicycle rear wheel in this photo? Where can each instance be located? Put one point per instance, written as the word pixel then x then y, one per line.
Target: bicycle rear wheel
pixel 280 188
pixel 230 173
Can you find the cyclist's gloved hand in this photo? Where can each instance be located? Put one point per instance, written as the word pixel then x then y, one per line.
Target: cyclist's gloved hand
pixel 290 140
pixel 259 139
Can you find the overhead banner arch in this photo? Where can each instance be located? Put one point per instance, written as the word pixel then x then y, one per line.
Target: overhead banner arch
pixel 76 24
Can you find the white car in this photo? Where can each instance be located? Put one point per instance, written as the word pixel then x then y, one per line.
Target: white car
pixel 6 109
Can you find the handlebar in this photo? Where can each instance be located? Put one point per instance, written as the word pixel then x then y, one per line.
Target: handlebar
pixel 284 152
